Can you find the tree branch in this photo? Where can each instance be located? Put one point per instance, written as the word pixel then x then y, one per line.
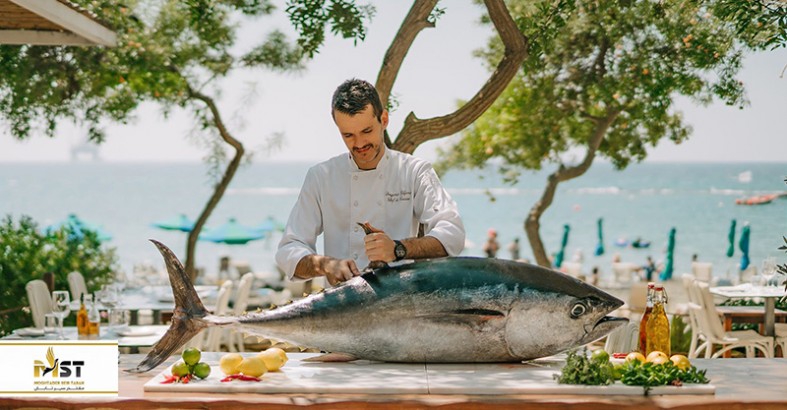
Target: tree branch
pixel 221 187
pixel 415 21
pixel 417 131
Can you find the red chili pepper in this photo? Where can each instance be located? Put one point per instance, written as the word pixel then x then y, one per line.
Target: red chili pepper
pixel 619 355
pixel 169 379
pixel 241 377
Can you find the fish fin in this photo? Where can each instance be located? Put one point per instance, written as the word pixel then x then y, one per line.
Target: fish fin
pixel 186 320
pixel 332 358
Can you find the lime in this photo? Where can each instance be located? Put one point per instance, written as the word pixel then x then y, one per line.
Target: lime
pixel 599 356
pixel 202 370
pixel 617 371
pixel 191 356
pixel 180 369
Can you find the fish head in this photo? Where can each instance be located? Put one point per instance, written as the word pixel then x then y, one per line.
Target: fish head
pixel 565 314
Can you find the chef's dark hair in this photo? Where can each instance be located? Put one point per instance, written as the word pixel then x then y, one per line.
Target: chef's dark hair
pixel 353 95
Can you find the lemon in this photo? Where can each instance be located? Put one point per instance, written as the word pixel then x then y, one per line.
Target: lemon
pixel 659 359
pixel 680 361
pixel 230 362
pixel 272 359
pixel 253 366
pixel 635 356
pixel 281 353
pixel 654 354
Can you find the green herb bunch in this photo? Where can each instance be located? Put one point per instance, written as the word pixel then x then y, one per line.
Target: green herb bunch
pixel 580 369
pixel 636 373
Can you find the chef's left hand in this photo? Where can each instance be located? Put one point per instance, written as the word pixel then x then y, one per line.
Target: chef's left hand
pixel 379 246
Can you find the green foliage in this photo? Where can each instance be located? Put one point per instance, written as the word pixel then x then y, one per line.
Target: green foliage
pixel 579 369
pixel 26 254
pixel 636 373
pixel 624 61
pixel 680 336
pixel 310 18
pixel 761 24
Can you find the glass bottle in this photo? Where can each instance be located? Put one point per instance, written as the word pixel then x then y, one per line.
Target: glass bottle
pixel 658 337
pixel 94 320
pixel 82 322
pixel 644 322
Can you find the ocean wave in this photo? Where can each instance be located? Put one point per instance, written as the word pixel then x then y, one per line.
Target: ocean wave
pixel 483 191
pixel 276 191
pixel 609 190
pixel 717 191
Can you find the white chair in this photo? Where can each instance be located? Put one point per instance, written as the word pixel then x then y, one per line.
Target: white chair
pixel 624 272
pixel 781 337
pixel 702 271
pixel 713 331
pixel 76 285
pixel 638 300
pixel 40 301
pixel 571 268
pixel 696 335
pixel 233 339
pixel 212 340
pixel 624 339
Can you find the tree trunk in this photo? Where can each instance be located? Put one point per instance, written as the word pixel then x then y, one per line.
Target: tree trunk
pixel 220 188
pixel 563 173
pixel 416 131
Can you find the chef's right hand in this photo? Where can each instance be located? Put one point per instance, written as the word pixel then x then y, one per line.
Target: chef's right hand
pixel 340 270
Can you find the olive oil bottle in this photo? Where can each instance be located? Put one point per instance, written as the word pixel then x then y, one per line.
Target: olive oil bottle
pixel 644 322
pixel 82 323
pixel 94 320
pixel 658 337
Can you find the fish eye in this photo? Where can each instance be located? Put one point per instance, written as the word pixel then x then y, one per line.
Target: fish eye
pixel 578 310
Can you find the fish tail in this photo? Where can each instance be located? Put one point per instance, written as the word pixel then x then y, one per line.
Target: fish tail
pixel 186 319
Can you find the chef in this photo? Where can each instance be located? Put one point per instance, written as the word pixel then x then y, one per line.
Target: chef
pixel 392 191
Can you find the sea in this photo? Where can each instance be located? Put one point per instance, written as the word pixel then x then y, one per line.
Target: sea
pixel 643 201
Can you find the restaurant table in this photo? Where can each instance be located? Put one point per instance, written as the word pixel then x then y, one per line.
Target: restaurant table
pixel 747 291
pixel 158 299
pixel 132 337
pixel 756 383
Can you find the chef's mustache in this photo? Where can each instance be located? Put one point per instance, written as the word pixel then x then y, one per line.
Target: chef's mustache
pixel 364 147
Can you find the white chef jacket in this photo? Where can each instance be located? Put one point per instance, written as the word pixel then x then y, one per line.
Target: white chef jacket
pixel 400 193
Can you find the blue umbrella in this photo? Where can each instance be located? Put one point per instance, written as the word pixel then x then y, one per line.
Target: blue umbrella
pixel 731 239
pixel 178 223
pixel 666 274
pixel 600 246
pixel 560 255
pixel 270 224
pixel 744 246
pixel 232 233
pixel 77 228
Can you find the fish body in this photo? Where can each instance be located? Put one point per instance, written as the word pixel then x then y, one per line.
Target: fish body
pixel 444 310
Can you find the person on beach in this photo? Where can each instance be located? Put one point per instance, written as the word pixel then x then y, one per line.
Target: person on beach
pixel 513 249
pixel 391 191
pixel 649 268
pixel 491 246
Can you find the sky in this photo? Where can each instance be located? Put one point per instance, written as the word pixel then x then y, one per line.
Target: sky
pixel 439 71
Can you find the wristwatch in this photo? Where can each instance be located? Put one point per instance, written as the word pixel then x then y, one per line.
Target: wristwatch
pixel 400 252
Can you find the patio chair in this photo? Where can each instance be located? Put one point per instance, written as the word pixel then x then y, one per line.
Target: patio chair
pixel 40 301
pixel 213 336
pixel 571 268
pixel 233 339
pixel 624 339
pixel 713 331
pixel 696 335
pixel 702 271
pixel 76 285
pixel 624 272
pixel 638 300
pixel 781 337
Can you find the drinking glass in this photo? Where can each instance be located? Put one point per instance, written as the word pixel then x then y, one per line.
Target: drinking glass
pixel 768 269
pixel 61 306
pixel 50 323
pixel 109 298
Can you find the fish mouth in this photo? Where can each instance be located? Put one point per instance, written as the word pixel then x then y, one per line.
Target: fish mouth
pixel 603 327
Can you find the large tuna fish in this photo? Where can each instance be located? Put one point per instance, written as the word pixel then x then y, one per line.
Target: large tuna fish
pixel 435 311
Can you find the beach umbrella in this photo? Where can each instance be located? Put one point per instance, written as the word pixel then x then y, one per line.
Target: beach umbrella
pixel 77 228
pixel 560 255
pixel 270 224
pixel 666 274
pixel 731 239
pixel 600 246
pixel 744 246
pixel 179 223
pixel 232 233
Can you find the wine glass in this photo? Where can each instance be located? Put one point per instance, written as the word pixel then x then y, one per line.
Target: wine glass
pixel 768 269
pixel 108 297
pixel 61 305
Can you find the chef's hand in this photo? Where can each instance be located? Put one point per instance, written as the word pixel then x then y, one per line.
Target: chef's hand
pixel 340 270
pixel 379 246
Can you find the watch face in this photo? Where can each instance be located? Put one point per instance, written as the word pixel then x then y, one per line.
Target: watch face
pixel 400 250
